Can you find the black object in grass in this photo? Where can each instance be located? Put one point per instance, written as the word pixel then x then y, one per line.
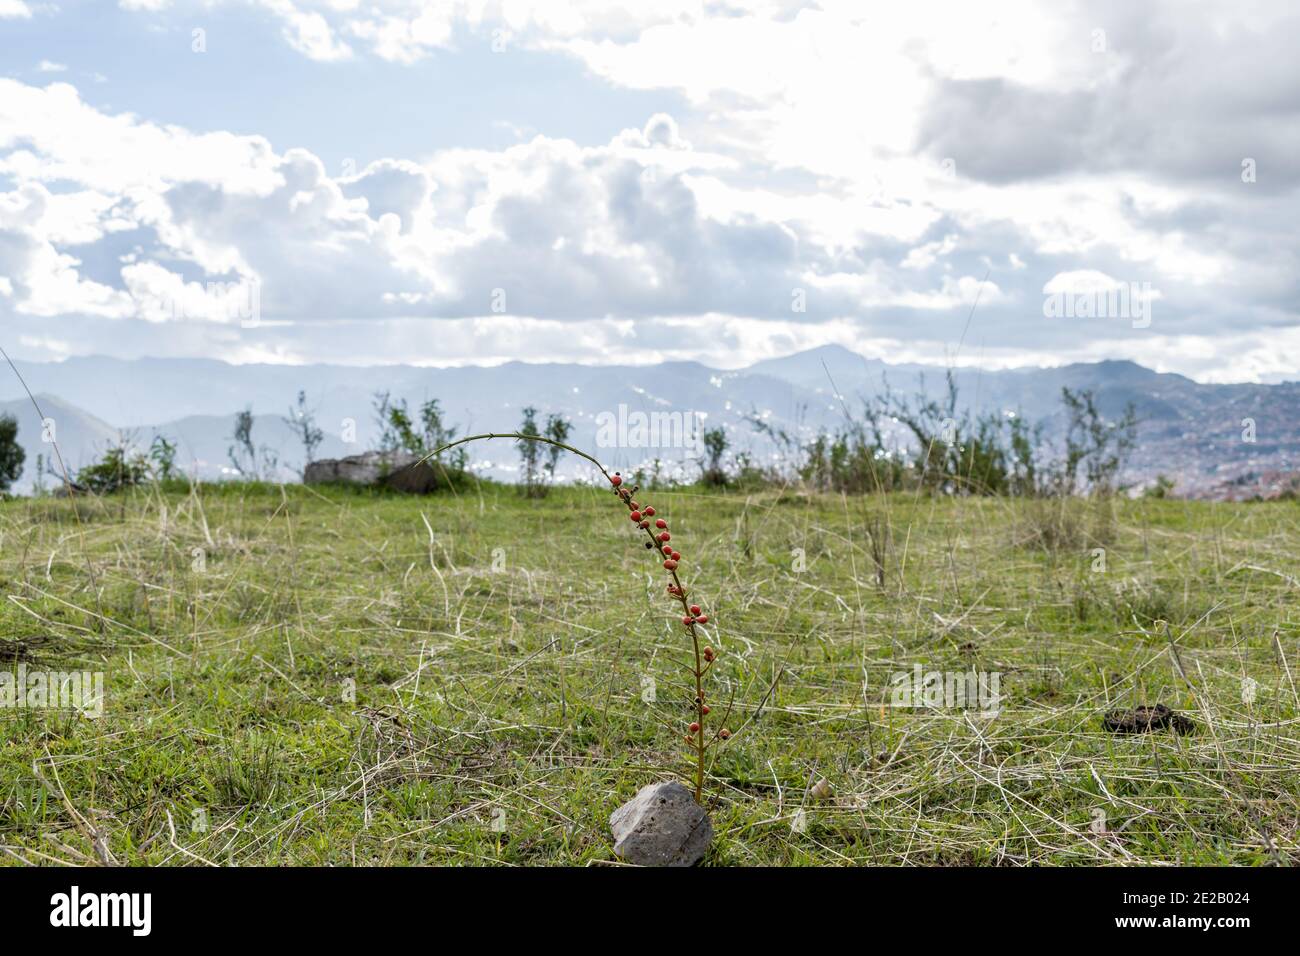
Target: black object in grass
pixel 1141 719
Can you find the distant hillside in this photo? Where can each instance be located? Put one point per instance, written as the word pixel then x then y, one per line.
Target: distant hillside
pixel 1190 431
pixel 81 436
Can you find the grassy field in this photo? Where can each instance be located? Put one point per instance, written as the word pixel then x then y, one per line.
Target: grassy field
pixel 295 676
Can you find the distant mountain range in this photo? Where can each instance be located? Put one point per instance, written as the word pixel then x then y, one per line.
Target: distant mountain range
pixel 1192 432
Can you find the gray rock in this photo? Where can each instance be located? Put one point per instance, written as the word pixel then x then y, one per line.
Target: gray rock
pixel 398 470
pixel 661 826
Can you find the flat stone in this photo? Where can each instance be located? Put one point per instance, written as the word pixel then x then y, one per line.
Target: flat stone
pixel 398 470
pixel 661 826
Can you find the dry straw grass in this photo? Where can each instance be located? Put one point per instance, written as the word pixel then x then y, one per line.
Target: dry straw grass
pixel 498 714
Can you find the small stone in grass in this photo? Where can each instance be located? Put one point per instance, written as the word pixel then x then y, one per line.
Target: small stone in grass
pixel 661 826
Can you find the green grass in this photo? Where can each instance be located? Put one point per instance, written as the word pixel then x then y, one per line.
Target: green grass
pixel 498 657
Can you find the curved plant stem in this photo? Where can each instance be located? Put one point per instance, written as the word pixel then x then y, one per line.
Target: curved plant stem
pixel 698 741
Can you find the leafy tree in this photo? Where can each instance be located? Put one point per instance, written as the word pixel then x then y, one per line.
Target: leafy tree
pixel 38 486
pixel 939 437
pixel 529 455
pixel 1024 444
pixel 557 429
pixel 302 420
pixel 961 453
pixel 388 438
pixel 12 455
pixel 163 455
pixel 952 450
pixel 715 446
pixel 407 437
pixel 400 430
pixel 246 458
pixel 121 467
pixel 853 459
pixel 1097 446
pixel 420 436
pixel 1163 487
pixel 438 433
pixel 243 457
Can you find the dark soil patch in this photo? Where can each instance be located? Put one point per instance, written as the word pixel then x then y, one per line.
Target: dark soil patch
pixel 14 650
pixel 1141 719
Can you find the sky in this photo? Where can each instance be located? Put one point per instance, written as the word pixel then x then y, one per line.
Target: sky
pixel 468 182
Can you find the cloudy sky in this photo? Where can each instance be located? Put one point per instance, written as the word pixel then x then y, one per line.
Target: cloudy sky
pixel 472 182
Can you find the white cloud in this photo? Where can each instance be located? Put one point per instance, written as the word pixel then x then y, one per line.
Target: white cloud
pixel 1081 281
pixel 42 279
pixel 562 230
pixel 405 41
pixel 308 31
pixel 925 255
pixel 14 10
pixel 881 160
pixel 49 134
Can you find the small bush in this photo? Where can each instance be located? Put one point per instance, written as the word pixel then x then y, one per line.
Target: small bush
pixel 12 455
pixel 121 467
pixel 1066 523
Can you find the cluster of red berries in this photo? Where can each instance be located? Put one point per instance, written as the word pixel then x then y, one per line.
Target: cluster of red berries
pixel 641 518
pixel 694 727
pixel 659 539
pixel 695 617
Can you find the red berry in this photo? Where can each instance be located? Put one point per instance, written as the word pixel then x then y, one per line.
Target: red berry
pixel 664 536
pixel 695 609
pixel 650 511
pixel 661 523
pixel 704 708
pixel 635 516
pixel 702 619
pixel 687 621
pixel 616 480
pixel 634 506
pixel 643 523
pixel 677 556
pixel 694 727
pixel 670 564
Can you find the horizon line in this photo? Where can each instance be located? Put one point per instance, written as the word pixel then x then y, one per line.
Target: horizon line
pixel 965 364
